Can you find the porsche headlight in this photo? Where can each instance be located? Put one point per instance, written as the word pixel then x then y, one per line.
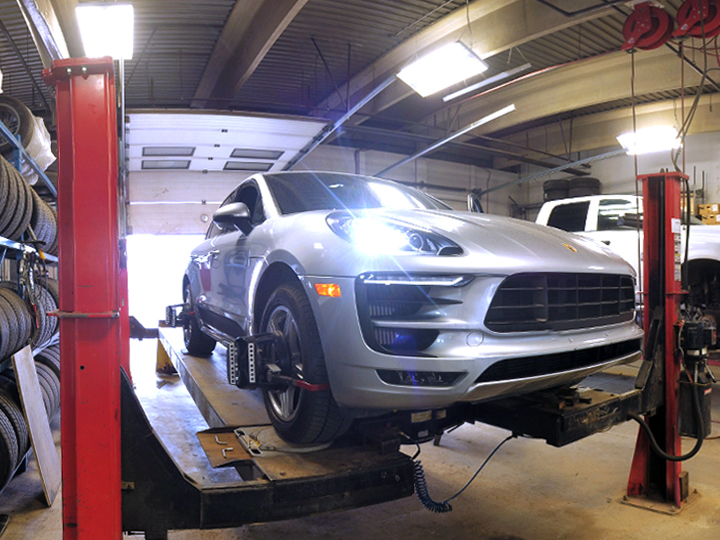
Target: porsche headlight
pixel 380 236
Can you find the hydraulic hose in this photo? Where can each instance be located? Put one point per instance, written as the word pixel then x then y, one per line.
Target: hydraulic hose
pixel 654 444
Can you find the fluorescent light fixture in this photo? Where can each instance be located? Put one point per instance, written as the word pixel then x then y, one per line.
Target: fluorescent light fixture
pixel 165 164
pixel 106 29
pixel 649 140
pixel 185 151
pixel 254 166
pixel 487 82
pixel 253 153
pixel 441 68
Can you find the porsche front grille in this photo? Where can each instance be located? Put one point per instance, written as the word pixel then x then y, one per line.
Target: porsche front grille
pixel 560 301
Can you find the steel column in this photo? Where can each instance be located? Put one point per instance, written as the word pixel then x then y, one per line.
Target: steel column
pixel 651 475
pixel 89 299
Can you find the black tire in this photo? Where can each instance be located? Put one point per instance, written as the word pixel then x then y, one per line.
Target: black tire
pixel 19 120
pixel 48 360
pixel 26 212
pixel 53 383
pixel 46 392
pixel 4 193
pixel 562 183
pixel 14 413
pixel 197 343
pixel 21 325
pixel 8 215
pixel 9 455
pixel 298 415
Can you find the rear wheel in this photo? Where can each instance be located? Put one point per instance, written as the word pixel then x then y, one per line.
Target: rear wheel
pixel 197 343
pixel 299 415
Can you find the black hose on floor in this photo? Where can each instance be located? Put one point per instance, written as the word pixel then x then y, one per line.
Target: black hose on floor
pixel 421 489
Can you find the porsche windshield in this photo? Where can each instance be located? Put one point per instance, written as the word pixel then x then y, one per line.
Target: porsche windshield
pixel 302 192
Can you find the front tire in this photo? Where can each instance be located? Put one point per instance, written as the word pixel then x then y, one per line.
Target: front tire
pixel 197 343
pixel 299 415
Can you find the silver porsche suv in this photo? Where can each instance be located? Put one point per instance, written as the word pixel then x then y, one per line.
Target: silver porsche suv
pixel 365 296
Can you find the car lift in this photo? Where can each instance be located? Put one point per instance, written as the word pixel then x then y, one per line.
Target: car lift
pixel 118 476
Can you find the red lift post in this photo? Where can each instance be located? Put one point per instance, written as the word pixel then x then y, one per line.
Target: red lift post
pixel 89 296
pixel 652 477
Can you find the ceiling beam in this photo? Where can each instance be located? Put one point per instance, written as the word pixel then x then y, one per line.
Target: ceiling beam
pixel 383 137
pixel 46 29
pixel 582 84
pixel 251 30
pixel 497 26
pixel 60 17
pixel 596 131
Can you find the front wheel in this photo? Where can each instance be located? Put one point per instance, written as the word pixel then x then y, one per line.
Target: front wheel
pixel 196 342
pixel 299 415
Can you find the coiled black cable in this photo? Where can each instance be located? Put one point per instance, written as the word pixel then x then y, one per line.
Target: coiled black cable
pixel 421 489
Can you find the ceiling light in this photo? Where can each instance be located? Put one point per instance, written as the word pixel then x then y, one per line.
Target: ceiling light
pixel 649 140
pixel 441 68
pixel 487 82
pixel 106 29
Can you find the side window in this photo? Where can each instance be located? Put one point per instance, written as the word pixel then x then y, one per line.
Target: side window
pixel 250 195
pixel 618 214
pixel 569 217
pixel 214 230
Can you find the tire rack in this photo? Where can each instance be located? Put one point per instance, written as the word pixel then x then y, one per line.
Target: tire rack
pixel 19 248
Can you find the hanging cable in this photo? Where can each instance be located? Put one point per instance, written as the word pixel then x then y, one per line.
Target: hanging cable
pixel 638 223
pixel 421 489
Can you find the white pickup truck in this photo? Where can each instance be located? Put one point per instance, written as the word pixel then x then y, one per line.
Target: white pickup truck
pixel 613 220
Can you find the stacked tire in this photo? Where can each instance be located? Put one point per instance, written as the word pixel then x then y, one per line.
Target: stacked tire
pixel 21 206
pixel 14 438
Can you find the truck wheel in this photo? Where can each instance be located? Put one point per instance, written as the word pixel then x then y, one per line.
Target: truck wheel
pixel 299 415
pixel 196 342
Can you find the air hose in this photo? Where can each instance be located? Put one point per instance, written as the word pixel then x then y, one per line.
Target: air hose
pixel 656 447
pixel 421 489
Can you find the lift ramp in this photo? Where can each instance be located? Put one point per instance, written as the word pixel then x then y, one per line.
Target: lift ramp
pixel 278 482
pixel 158 496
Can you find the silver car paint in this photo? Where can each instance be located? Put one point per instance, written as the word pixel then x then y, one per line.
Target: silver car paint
pixel 494 247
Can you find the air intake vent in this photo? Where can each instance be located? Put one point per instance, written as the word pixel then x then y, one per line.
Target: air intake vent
pixel 528 302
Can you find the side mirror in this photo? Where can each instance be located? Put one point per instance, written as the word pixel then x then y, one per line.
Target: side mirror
pixel 474 204
pixel 236 214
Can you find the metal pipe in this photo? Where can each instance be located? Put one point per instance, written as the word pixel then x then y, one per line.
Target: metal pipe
pixel 384 135
pixel 583 11
pixel 137 61
pixel 561 168
pixel 330 128
pixel 327 70
pixel 24 64
pixel 441 142
pixel 486 82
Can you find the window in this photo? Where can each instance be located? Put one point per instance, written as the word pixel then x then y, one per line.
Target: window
pixel 618 214
pixel 250 195
pixel 569 217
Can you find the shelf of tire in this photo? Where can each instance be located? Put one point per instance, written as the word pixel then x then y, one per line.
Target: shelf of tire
pixel 14 141
pixel 28 226
pixel 18 327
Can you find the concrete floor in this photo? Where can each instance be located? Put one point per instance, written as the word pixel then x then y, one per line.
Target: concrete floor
pixel 528 491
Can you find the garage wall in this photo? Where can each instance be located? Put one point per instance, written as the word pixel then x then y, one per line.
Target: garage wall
pixel 617 174
pixel 421 171
pixel 176 202
pixel 182 202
